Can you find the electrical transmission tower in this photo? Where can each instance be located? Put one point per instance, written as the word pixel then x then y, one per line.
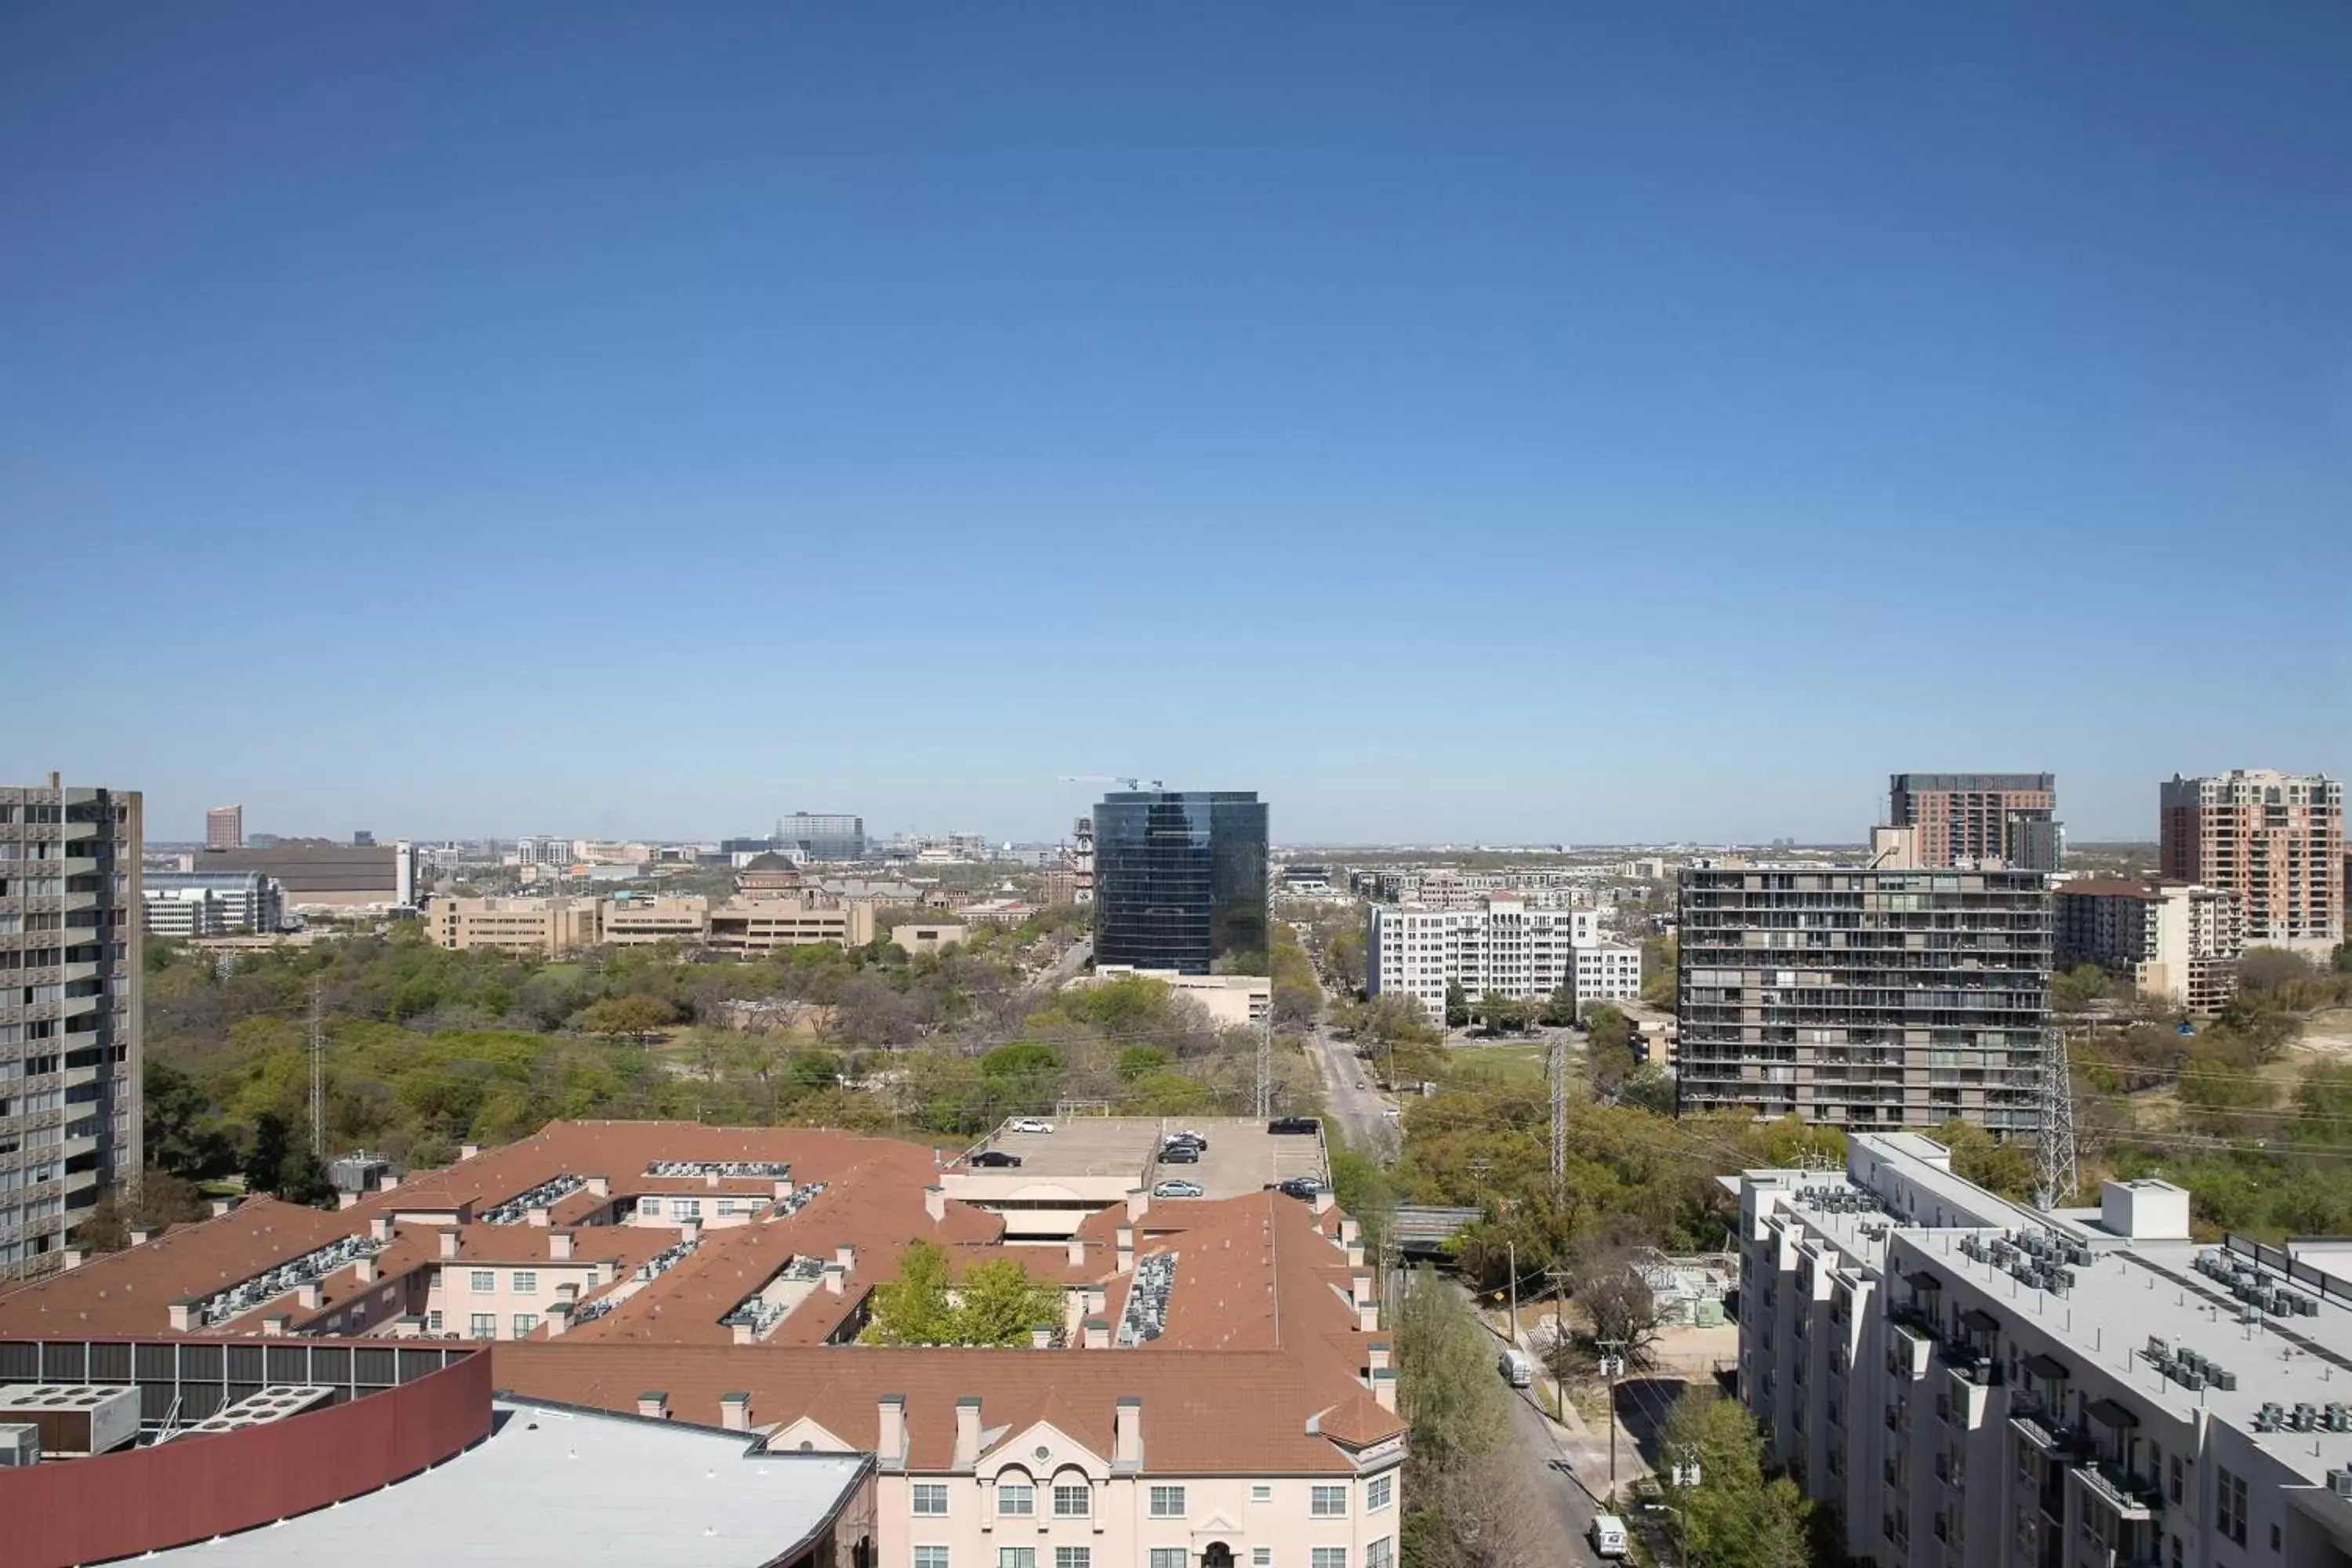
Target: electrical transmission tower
pixel 2055 1177
pixel 1559 1110
pixel 317 1075
pixel 1265 1070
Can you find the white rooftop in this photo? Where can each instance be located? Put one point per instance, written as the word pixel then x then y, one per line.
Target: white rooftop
pixel 560 1487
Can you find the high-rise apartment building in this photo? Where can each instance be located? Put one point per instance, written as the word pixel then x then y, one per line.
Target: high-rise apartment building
pixel 1179 879
pixel 1504 945
pixel 2177 941
pixel 2273 841
pixel 224 827
pixel 70 1011
pixel 1864 997
pixel 1974 818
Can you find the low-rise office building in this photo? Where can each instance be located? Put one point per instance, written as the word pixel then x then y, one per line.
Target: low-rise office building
pixel 928 938
pixel 212 903
pixel 543 926
pixel 1961 1379
pixel 2176 941
pixel 1231 1001
pixel 646 923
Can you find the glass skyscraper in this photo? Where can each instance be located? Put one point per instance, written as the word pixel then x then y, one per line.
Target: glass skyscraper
pixel 1180 880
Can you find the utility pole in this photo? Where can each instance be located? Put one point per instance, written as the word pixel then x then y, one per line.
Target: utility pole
pixel 2055 1177
pixel 1612 1367
pixel 1559 1335
pixel 1266 1067
pixel 1559 1114
pixel 1511 1257
pixel 318 1073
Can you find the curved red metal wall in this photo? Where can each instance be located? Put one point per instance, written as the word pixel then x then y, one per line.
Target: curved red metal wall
pixel 141 1499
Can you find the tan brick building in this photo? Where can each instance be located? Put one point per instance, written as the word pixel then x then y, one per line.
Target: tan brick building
pixel 545 926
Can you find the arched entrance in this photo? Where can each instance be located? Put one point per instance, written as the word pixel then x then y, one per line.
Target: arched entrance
pixel 1218 1555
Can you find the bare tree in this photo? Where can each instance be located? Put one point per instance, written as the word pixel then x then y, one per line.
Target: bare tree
pixel 1617 1314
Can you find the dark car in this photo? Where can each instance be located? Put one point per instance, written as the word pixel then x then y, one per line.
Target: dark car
pixel 1306 1189
pixel 997 1157
pixel 1179 1155
pixel 1294 1124
pixel 1195 1139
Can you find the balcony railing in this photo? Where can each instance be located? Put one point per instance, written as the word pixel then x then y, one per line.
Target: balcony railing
pixel 2129 1496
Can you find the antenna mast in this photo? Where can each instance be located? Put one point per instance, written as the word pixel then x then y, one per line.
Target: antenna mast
pixel 317 1075
pixel 1559 1066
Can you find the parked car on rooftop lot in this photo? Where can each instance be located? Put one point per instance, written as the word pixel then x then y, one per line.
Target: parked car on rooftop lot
pixel 1031 1124
pixel 1179 1155
pixel 1293 1124
pixel 996 1157
pixel 1179 1189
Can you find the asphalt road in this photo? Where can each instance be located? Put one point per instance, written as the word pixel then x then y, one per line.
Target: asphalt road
pixel 1361 1113
pixel 1566 1504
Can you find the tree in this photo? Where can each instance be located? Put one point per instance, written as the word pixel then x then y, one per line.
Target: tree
pixel 1467 1500
pixel 2272 968
pixel 1620 1313
pixel 1559 1007
pixel 2079 988
pixel 1729 1516
pixel 999 1304
pixel 632 1018
pixel 1457 1005
pixel 1610 1060
pixel 175 1117
pixel 271 1141
pixel 163 1201
pixel 1345 956
pixel 1660 955
pixel 913 1309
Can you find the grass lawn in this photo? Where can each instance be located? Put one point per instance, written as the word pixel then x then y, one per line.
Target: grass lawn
pixel 1513 1060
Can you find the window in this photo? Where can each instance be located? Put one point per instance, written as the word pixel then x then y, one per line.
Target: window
pixel 1167 1557
pixel 1261 1557
pixel 931 1557
pixel 686 1208
pixel 1328 1557
pixel 484 1281
pixel 524 1324
pixel 433 1321
pixel 1380 1553
pixel 930 1497
pixel 2230 1507
pixel 1073 1557
pixel 1017 1498
pixel 1328 1502
pixel 1260 1494
pixel 1017 1557
pixel 1377 1493
pixel 482 1326
pixel 526 1283
pixel 1168 1502
pixel 1072 1501
pixel 649 1206
pixel 2176 1478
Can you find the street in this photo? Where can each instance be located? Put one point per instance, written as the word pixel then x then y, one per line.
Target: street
pixel 1565 1502
pixel 1361 1113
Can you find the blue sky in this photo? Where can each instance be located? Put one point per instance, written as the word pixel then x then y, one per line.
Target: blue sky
pixel 1497 422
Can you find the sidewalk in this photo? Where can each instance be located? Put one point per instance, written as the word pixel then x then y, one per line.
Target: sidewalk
pixel 1584 1447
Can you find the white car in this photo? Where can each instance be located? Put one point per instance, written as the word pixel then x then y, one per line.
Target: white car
pixel 1180 1190
pixel 1607 1533
pixel 1031 1124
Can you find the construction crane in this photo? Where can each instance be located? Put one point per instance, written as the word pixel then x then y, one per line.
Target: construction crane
pixel 1132 783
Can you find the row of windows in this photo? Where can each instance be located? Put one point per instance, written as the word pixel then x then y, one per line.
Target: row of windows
pixel 1076 1502
pixel 485 1281
pixel 1380 1553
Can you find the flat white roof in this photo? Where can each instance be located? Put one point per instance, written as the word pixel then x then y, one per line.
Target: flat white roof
pixel 559 1487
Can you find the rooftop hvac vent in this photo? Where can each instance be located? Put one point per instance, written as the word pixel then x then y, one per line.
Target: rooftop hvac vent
pixel 1145 1316
pixel 309 1269
pixel 726 1170
pixel 2270 1417
pixel 2340 1483
pixel 517 1209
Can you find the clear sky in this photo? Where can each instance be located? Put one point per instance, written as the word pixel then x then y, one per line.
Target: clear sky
pixel 1517 421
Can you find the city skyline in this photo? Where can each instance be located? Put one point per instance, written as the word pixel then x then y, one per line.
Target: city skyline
pixel 1689 379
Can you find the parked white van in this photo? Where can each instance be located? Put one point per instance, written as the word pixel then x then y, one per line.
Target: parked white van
pixel 1516 1370
pixel 1606 1536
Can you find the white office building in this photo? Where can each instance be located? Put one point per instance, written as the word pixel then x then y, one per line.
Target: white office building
pixel 1501 944
pixel 1966 1382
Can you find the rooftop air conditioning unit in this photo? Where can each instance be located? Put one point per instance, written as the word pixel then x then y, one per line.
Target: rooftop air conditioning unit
pixel 2340 1483
pixel 20 1446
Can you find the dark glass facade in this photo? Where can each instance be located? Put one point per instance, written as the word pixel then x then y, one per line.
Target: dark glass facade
pixel 1180 880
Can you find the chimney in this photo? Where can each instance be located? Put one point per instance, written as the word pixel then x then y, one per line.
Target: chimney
pixel 599 1187
pixel 467 1151
pixel 449 1240
pixel 559 1246
pixel 1355 1255
pixel 845 1254
pixel 1126 1247
pixel 1097 1334
pixel 366 1267
pixel 1384 1388
pixel 222 1206
pixel 347 1200
pixel 1139 1201
pixel 710 1178
pixel 1041 1337
pixel 539 1217
pixel 1376 1355
pixel 1127 1433
pixel 654 1404
pixel 735 1411
pixel 1098 1299
pixel 967 1437
pixel 274 1326
pixel 570 1290
pixel 379 1228
pixel 1077 1252
pixel 691 1230
pixel 739 1331
pixel 890 1443
pixel 835 1280
pixel 386 1182
pixel 306 1297
pixel 1367 1317
pixel 935 1203
pixel 183 1316
pixel 1322 1200
pixel 1362 1292
pixel 142 1237
pixel 784 1188
pixel 1350 1231
pixel 559 1318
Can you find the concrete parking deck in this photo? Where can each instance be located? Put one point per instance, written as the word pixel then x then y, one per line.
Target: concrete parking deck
pixel 1090 1162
